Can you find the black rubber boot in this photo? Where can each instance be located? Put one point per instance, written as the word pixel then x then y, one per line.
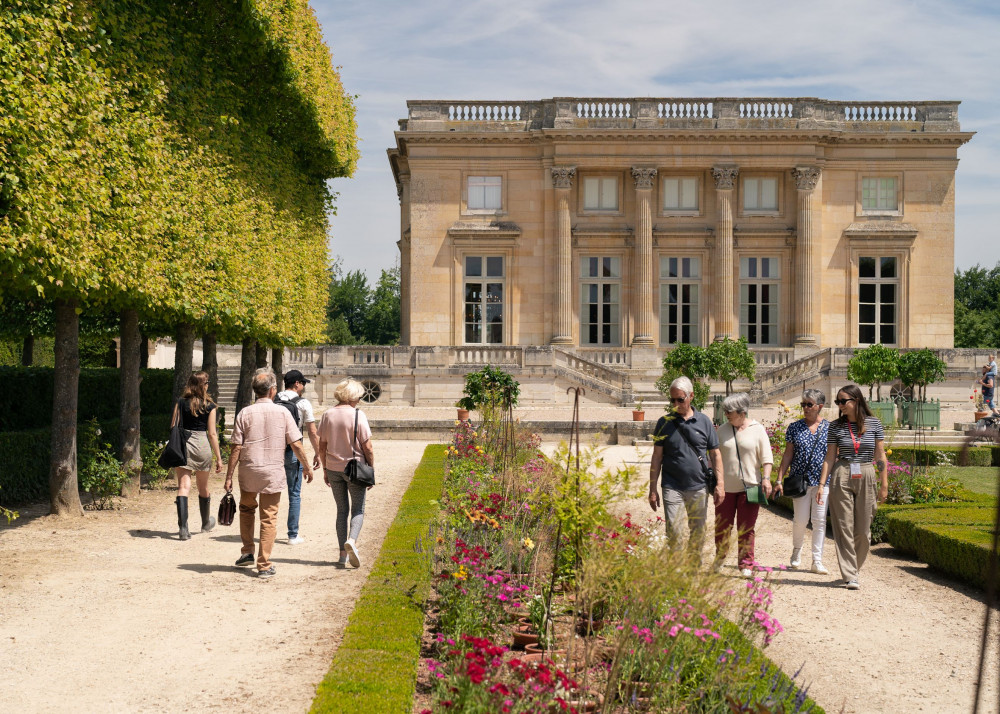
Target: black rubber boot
pixel 182 517
pixel 207 521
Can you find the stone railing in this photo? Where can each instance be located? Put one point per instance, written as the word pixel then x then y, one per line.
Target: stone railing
pixel 299 356
pixel 620 358
pixel 601 378
pixel 668 112
pixel 794 374
pixel 507 356
pixel 769 358
pixel 370 355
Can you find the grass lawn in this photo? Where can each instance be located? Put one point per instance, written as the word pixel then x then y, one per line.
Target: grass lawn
pixel 979 479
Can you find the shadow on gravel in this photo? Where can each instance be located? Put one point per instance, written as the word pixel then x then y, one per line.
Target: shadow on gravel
pixel 936 578
pixel 838 583
pixel 208 569
pixel 143 533
pixel 234 538
pixel 299 561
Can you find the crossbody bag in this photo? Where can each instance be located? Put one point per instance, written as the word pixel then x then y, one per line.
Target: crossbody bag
pixel 359 471
pixel 755 494
pixel 797 485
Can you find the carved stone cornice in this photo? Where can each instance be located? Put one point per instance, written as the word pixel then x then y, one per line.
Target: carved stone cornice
pixel 643 177
pixel 725 177
pixel 562 176
pixel 806 177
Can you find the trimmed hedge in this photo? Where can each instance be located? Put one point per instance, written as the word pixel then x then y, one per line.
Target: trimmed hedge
pixel 977 455
pixel 24 457
pixel 29 405
pixel 375 668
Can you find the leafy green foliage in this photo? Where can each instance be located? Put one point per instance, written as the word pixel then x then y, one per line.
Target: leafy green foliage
pixel 100 473
pixel 920 368
pixel 358 314
pixel 872 366
pixel 690 361
pixel 977 307
pixel 729 359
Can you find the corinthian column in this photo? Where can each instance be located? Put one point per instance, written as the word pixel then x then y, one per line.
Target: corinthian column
pixel 806 178
pixel 562 181
pixel 643 308
pixel 726 324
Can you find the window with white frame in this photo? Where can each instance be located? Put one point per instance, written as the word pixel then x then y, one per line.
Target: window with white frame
pixel 760 194
pixel 483 285
pixel 680 194
pixel 879 194
pixel 680 289
pixel 878 300
pixel 600 300
pixel 484 193
pixel 600 193
pixel 759 291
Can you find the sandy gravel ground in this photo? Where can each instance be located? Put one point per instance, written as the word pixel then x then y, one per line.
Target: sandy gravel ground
pixel 908 641
pixel 111 613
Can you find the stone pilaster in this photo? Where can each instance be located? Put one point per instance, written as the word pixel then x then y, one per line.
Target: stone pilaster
pixel 643 259
pixel 726 323
pixel 562 182
pixel 806 178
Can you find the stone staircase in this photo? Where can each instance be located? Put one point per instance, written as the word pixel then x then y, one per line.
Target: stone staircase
pixel 229 378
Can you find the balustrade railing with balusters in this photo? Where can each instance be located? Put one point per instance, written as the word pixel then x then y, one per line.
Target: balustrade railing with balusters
pixel 509 356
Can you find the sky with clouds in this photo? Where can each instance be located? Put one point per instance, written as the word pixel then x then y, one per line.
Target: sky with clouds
pixel 390 51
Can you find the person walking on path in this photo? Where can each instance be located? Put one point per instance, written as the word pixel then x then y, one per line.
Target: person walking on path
pixel 805 450
pixel 855 441
pixel 291 398
pixel 343 433
pixel 988 383
pixel 197 413
pixel 678 466
pixel 260 433
pixel 747 460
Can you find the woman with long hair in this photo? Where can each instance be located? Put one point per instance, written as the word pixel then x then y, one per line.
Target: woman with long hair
pixel 855 443
pixel 197 416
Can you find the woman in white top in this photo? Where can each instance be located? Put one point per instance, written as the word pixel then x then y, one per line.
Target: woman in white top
pixel 337 446
pixel 746 462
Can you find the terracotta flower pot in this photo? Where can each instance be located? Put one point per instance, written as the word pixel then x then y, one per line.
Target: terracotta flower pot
pixel 638 416
pixel 981 415
pixel 523 635
pixel 463 414
pixel 586 628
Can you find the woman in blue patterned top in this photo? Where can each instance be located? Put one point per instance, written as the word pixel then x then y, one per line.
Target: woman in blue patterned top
pixel 855 442
pixel 805 449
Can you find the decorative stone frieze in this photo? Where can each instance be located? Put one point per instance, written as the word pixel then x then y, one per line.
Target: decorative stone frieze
pixel 562 176
pixel 725 177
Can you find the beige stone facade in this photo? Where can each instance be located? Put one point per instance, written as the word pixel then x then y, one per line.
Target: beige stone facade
pixel 632 224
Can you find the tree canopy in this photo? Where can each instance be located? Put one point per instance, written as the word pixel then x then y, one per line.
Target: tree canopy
pixel 977 307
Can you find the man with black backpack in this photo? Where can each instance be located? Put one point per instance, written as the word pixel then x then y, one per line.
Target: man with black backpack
pixel 302 413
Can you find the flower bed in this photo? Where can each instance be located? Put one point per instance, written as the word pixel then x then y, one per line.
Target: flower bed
pixel 625 622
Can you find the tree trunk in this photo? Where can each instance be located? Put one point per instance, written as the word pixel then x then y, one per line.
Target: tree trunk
pixel 210 363
pixel 261 355
pixel 143 351
pixel 248 363
pixel 278 364
pixel 63 484
pixel 183 357
pixel 131 454
pixel 28 351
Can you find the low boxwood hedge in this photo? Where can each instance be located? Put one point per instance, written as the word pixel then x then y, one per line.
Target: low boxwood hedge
pixel 374 670
pixel 24 457
pixel 930 456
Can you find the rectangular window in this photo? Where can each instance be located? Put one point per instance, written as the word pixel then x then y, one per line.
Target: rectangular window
pixel 760 194
pixel 600 193
pixel 680 288
pixel 600 300
pixel 759 292
pixel 484 282
pixel 484 193
pixel 879 194
pixel 878 300
pixel 680 194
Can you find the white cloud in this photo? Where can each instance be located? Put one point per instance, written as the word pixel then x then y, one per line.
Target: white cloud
pixel 392 51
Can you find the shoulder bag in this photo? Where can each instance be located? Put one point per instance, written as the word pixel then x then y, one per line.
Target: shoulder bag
pixel 755 494
pixel 711 481
pixel 227 509
pixel 359 471
pixel 797 485
pixel 175 452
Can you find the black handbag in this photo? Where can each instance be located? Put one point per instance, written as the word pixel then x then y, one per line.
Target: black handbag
pixel 359 471
pixel 711 480
pixel 227 509
pixel 797 485
pixel 175 453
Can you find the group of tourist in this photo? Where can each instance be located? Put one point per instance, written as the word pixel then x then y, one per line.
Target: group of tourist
pixel 834 462
pixel 267 446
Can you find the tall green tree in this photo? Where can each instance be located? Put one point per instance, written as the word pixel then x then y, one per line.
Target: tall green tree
pixel 383 314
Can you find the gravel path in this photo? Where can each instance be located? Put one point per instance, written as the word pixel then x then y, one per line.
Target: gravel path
pixel 908 641
pixel 111 613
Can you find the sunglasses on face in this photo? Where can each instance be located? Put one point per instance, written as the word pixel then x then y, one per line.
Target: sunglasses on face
pixel 842 402
pixel 678 400
pixel 807 405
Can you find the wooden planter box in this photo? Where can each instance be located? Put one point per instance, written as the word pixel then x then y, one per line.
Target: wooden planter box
pixel 921 415
pixel 885 411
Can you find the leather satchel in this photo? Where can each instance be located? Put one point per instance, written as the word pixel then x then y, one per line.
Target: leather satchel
pixel 175 452
pixel 359 471
pixel 227 509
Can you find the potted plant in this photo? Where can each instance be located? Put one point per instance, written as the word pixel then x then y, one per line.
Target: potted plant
pixel 638 413
pixel 465 405
pixel 872 366
pixel 978 404
pixel 917 369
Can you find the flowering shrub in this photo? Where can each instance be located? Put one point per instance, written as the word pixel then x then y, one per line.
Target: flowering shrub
pixel 776 429
pixel 905 486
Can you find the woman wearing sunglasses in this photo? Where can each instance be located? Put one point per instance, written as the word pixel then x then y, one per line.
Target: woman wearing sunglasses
pixel 805 450
pixel 856 440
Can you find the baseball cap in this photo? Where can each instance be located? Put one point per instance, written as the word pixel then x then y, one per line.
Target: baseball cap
pixel 293 375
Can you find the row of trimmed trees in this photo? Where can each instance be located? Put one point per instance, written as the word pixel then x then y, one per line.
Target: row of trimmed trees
pixel 164 165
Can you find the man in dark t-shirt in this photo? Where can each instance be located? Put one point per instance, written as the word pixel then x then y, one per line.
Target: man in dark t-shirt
pixel 679 440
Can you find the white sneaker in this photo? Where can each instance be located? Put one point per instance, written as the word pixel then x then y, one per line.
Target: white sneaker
pixel 746 573
pixel 796 560
pixel 352 553
pixel 296 540
pixel 853 585
pixel 819 568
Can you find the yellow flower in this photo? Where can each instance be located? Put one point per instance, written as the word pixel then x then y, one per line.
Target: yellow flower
pixel 528 543
pixel 461 574
pixel 888 452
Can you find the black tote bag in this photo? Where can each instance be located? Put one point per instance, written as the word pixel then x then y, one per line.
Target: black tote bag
pixel 175 453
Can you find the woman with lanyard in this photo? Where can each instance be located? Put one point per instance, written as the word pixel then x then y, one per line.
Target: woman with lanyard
pixel 805 449
pixel 855 441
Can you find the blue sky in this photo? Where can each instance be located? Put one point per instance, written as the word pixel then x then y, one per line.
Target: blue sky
pixel 389 52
